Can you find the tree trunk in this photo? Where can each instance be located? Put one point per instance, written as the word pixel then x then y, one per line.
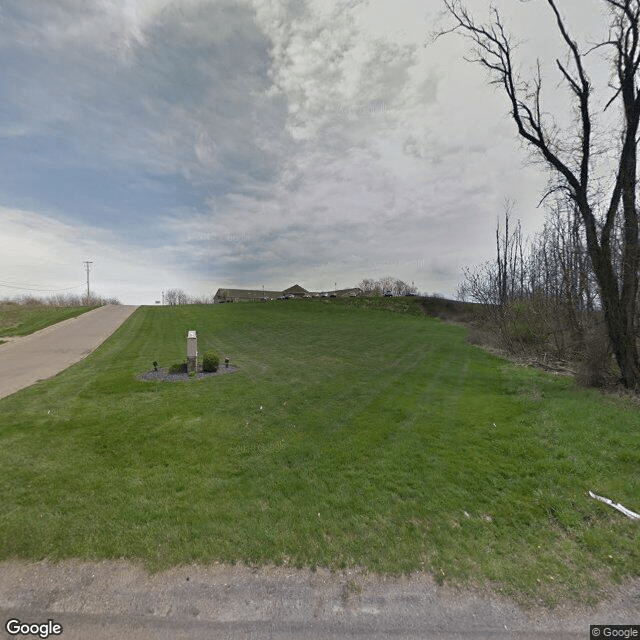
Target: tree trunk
pixel 623 340
pixel 619 320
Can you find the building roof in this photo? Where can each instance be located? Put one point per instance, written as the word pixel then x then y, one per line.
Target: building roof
pixel 295 289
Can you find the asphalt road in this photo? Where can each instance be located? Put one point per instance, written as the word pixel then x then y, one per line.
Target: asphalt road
pixel 114 600
pixel 28 359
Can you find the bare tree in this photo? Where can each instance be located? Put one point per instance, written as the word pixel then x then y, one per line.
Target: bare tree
pixel 170 297
pixel 176 296
pixel 500 282
pixel 368 286
pixel 388 284
pixel 203 299
pixel 570 159
pixel 538 296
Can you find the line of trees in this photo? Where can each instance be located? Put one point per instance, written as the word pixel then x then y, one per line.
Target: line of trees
pixel 603 200
pixel 62 300
pixel 387 284
pixel 174 297
pixel 540 296
pixel 555 265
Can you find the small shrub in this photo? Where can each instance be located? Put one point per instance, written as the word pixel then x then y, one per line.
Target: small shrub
pixel 522 327
pixel 210 361
pixel 178 368
pixel 595 369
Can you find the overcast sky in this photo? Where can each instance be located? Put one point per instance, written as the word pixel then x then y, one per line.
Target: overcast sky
pixel 199 144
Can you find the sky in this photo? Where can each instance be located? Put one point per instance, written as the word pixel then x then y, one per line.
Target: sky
pixel 200 144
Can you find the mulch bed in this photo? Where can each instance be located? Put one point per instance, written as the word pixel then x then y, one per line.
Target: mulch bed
pixel 163 374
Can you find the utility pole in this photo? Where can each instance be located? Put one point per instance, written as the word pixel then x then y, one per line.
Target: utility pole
pixel 87 263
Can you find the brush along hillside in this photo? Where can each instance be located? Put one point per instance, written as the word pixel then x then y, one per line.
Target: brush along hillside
pixel 18 319
pixel 347 436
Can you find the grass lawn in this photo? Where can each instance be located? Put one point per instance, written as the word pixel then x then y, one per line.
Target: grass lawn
pixel 349 436
pixel 23 319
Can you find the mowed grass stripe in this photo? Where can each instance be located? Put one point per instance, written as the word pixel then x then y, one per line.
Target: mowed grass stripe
pixel 348 436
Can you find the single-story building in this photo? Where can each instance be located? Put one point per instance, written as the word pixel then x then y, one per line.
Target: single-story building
pixel 237 295
pixel 296 291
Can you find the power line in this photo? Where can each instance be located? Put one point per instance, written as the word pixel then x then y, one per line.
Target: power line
pixel 24 286
pixel 33 288
pixel 21 284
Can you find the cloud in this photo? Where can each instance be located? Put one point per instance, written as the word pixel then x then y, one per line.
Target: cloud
pixel 180 101
pixel 40 255
pixel 330 70
pixel 233 141
pixel 114 27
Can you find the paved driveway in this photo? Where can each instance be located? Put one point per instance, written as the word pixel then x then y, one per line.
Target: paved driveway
pixel 29 359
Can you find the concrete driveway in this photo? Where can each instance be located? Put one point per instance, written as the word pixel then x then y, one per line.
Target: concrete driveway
pixel 29 359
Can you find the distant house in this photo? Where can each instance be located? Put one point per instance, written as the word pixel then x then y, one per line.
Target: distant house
pixel 239 295
pixel 296 291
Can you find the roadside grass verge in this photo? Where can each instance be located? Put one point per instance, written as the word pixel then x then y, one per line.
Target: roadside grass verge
pixel 23 319
pixel 347 437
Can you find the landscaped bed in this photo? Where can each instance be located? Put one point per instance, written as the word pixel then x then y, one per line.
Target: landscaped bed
pixel 163 374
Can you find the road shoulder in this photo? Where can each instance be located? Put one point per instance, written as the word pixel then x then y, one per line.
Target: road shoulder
pixel 113 599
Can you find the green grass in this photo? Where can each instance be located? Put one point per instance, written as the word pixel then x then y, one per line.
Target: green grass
pixel 347 437
pixel 23 319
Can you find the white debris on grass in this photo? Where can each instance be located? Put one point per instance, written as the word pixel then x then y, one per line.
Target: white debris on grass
pixel 616 505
